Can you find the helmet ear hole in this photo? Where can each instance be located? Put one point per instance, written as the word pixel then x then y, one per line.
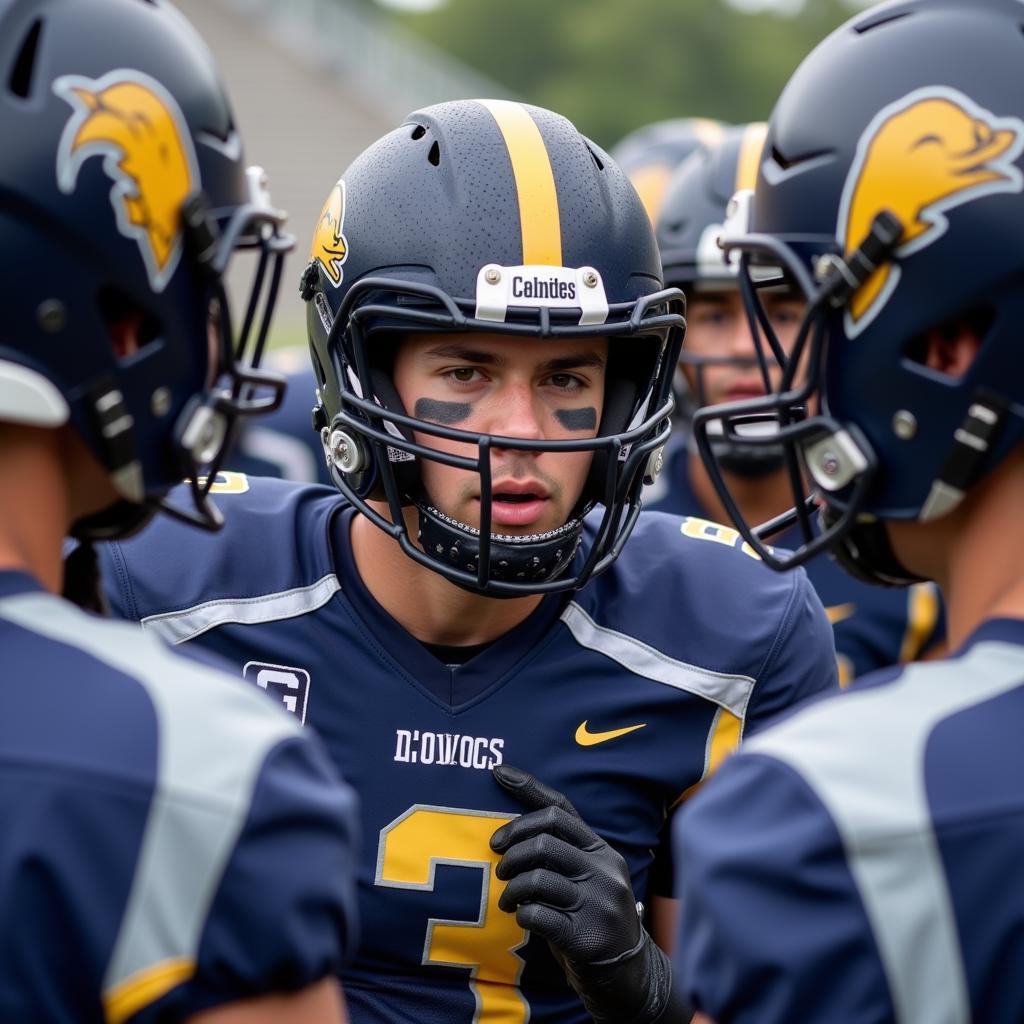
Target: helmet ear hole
pixel 929 348
pixel 129 326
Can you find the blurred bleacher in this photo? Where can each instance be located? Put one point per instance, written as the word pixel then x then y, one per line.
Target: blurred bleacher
pixel 313 82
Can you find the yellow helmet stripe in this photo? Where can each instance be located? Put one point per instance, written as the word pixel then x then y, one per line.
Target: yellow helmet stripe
pixel 709 133
pixel 535 182
pixel 750 155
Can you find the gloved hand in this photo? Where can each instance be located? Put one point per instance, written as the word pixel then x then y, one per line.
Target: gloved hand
pixel 567 884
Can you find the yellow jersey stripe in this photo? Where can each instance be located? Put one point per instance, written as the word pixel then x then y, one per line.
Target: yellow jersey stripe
pixel 922 614
pixel 145 987
pixel 749 159
pixel 535 183
pixel 724 739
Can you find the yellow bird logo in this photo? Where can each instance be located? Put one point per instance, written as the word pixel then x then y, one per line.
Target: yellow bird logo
pixel 135 124
pixel 329 247
pixel 920 157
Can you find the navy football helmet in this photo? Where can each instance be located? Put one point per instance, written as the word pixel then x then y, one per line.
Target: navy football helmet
pixel 649 155
pixel 430 229
pixel 124 195
pixel 689 229
pixel 891 194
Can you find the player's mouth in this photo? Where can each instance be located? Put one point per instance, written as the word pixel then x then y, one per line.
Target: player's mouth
pixel 741 390
pixel 518 503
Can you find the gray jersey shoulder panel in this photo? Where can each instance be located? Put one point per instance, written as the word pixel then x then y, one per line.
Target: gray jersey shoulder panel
pixel 214 735
pixel 731 692
pixel 180 626
pixel 862 754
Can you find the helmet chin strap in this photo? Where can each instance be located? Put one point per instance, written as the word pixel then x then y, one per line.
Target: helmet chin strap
pixel 866 553
pixel 534 557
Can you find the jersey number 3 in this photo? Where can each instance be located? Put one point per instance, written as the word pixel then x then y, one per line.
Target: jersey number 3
pixel 410 849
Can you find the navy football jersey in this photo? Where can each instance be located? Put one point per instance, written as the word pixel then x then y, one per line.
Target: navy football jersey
pixel 874 626
pixel 623 696
pixel 170 840
pixel 284 443
pixel 859 862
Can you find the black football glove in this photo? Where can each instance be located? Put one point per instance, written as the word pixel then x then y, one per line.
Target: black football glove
pixel 567 884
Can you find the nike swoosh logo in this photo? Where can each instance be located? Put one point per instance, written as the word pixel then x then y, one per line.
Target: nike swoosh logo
pixel 840 612
pixel 585 738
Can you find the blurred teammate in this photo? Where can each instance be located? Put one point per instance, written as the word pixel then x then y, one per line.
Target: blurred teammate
pixel 858 862
pixel 874 626
pixel 494 354
pixel 171 846
pixel 649 155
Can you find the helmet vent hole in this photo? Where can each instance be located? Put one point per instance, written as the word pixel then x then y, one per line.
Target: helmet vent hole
pixel 434 156
pixel 597 159
pixel 20 82
pixel 880 19
pixel 418 132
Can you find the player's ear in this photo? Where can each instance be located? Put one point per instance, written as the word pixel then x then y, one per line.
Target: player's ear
pixel 951 347
pixel 126 323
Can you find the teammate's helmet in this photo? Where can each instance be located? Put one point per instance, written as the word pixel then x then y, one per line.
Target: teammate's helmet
pixel 689 227
pixel 649 155
pixel 442 225
pixel 694 210
pixel 890 191
pixel 123 194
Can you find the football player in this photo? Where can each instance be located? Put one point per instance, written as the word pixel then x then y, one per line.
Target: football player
pixel 649 155
pixel 874 626
pixel 858 861
pixel 172 847
pixel 494 356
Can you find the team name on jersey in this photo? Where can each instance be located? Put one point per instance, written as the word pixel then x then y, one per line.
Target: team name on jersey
pixel 542 288
pixel 448 748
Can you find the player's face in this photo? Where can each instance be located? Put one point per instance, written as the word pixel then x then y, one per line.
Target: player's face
pixel 717 327
pixel 535 389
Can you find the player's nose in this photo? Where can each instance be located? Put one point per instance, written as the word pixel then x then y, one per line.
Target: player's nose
pixel 518 412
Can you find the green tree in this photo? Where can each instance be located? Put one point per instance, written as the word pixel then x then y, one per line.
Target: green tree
pixel 611 66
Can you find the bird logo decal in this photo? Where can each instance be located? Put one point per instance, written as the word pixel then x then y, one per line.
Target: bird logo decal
pixel 329 246
pixel 135 124
pixel 920 157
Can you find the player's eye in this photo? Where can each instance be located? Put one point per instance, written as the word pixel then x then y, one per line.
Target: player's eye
pixel 712 318
pixel 566 382
pixel 463 374
pixel 785 316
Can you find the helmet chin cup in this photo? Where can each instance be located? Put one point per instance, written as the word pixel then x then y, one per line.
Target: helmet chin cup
pixel 522 559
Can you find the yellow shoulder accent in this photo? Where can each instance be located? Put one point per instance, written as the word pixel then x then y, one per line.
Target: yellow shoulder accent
pixel 145 987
